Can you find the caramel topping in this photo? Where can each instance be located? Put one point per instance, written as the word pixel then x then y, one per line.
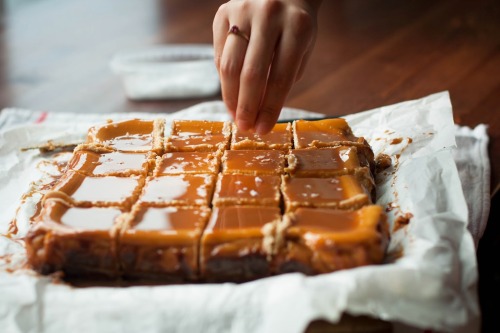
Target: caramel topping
pixel 323 161
pixel 280 137
pixel 178 190
pixel 241 217
pixel 114 163
pixel 128 135
pixel 170 219
pixel 320 225
pixel 94 218
pixel 324 131
pixel 187 162
pixel 197 143
pixel 311 191
pixel 253 161
pixel 110 190
pixel 246 189
pixel 199 127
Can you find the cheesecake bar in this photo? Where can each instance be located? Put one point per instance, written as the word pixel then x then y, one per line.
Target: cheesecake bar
pixel 237 243
pixel 80 241
pixel 162 243
pixel 319 241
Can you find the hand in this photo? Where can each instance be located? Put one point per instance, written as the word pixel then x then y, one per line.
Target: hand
pixel 257 74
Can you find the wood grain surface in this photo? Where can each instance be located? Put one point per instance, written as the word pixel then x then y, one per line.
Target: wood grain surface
pixel 54 55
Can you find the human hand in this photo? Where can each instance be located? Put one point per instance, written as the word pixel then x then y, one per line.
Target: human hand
pixel 257 74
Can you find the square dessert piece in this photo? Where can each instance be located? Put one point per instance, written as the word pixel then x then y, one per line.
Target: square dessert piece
pixel 133 135
pixel 280 138
pixel 344 192
pixel 253 162
pixel 324 133
pixel 77 241
pixel 201 143
pixel 176 163
pixel 178 190
pixel 162 243
pixel 326 240
pixel 260 190
pixel 111 163
pixel 325 162
pixel 235 245
pixel 199 135
pixel 200 127
pixel 107 191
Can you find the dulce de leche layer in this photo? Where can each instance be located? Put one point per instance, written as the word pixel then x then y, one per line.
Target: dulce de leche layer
pixel 200 127
pixel 176 163
pixel 133 135
pixel 178 190
pixel 253 162
pixel 279 138
pixel 78 241
pixel 324 133
pixel 110 164
pixel 345 192
pixel 262 190
pixel 162 243
pixel 198 135
pixel 235 245
pixel 87 191
pixel 326 162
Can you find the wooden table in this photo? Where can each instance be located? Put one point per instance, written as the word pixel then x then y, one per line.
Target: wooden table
pixel 54 55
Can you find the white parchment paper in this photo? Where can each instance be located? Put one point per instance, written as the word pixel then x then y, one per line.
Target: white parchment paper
pixel 429 281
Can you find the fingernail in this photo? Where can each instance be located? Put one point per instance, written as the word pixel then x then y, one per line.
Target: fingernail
pixel 244 126
pixel 262 128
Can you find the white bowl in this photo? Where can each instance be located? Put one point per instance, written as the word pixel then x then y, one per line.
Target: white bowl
pixel 168 72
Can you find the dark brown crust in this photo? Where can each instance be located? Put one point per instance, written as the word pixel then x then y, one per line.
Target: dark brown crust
pixel 237 261
pixel 168 263
pixel 76 254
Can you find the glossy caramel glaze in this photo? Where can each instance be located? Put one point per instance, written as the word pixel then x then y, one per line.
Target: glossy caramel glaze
pixel 253 162
pixel 325 162
pixel 170 219
pixel 260 190
pixel 279 138
pixel 109 164
pixel 92 218
pixel 187 162
pixel 200 143
pixel 160 224
pixel 344 192
pixel 326 132
pixel 240 219
pixel 128 135
pixel 200 128
pixel 100 191
pixel 190 189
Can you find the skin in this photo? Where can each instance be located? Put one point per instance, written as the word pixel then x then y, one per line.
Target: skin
pixel 257 75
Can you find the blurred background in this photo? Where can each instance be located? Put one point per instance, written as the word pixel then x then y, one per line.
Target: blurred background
pixel 55 56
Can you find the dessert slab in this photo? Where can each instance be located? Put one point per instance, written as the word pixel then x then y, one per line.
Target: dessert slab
pixel 210 203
